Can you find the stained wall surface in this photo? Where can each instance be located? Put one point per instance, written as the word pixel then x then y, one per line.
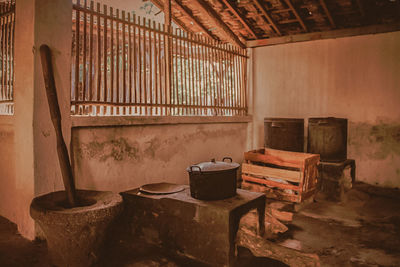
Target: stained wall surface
pixel 356 78
pixel 123 158
pixel 7 168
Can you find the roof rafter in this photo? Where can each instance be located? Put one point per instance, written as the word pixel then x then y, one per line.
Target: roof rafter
pixel 176 20
pixel 239 17
pixel 217 21
pixel 267 16
pixel 290 5
pixel 182 9
pixel 327 12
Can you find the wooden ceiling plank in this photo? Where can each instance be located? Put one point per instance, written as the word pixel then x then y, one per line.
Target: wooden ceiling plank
pixel 213 16
pixel 183 10
pixel 328 13
pixel 381 28
pixel 178 22
pixel 290 5
pixel 267 16
pixel 240 18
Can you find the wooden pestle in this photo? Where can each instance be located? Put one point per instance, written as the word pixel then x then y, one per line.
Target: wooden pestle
pixel 51 92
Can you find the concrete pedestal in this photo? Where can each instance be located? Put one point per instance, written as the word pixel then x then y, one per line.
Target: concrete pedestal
pixel 203 230
pixel 334 179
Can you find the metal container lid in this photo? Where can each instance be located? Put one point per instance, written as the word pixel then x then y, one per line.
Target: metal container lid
pixel 277 119
pixel 214 166
pixel 327 120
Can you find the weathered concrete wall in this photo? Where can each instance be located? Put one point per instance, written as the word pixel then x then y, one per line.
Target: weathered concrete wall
pixel 356 77
pixel 122 158
pixel 7 169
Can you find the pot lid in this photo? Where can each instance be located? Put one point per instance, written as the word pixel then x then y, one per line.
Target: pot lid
pixel 214 166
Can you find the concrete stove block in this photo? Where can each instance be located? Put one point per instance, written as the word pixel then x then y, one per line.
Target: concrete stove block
pixel 202 230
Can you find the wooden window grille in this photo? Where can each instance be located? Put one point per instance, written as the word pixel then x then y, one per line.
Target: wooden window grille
pixel 7 24
pixel 119 67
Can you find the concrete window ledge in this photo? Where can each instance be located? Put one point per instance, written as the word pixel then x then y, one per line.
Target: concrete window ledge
pixel 87 121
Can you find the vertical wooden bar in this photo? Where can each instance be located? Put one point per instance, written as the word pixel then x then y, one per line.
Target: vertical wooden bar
pixel 229 75
pixel 5 40
pixel 216 78
pixel 140 66
pixel 130 99
pixel 112 63
pixel 77 29
pixel 105 64
pixel 203 77
pixel 187 73
pixel 176 76
pixel 198 76
pixel 90 96
pixel 145 66
pixel 208 57
pixel 220 80
pixel 156 95
pixel 135 62
pixel 150 70
pixel 84 72
pixel 162 110
pixel 192 72
pixel 117 57
pixel 244 75
pixel 167 52
pixel 236 71
pixel 11 93
pixel 123 32
pixel 161 101
pixel 3 90
pixel 98 58
pixel 5 52
pixel 181 52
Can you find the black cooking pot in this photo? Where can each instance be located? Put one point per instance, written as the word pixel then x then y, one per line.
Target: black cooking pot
pixel 213 180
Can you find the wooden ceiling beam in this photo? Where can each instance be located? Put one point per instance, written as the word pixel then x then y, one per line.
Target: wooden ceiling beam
pixel 267 16
pixel 240 18
pixel 328 13
pixel 178 22
pixel 289 3
pixel 205 9
pixel 183 10
pixel 312 36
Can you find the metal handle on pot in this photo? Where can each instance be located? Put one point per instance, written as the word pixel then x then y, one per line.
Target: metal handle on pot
pixel 193 166
pixel 227 158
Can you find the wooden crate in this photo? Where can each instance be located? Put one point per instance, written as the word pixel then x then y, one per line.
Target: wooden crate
pixel 289 176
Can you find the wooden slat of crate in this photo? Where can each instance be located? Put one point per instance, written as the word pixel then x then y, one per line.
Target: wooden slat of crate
pixel 288 175
pixel 271 193
pixel 269 182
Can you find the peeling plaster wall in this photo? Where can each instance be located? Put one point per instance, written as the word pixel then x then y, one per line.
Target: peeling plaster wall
pixel 7 170
pixel 356 77
pixel 123 158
